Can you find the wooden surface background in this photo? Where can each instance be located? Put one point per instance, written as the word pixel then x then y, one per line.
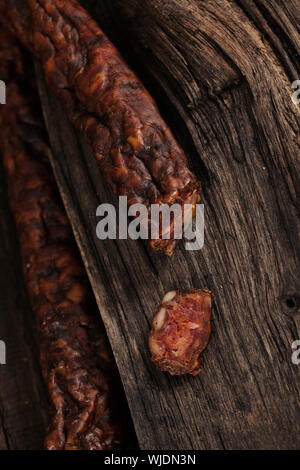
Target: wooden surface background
pixel 221 72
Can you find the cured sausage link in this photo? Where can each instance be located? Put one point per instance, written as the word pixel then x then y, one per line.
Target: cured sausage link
pixel 76 360
pixel 107 103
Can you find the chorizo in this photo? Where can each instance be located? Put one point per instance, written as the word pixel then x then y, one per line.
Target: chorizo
pixel 181 330
pixel 76 360
pixel 109 106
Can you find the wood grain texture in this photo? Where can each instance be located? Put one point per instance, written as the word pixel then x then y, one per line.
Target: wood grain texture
pixel 23 403
pixel 221 73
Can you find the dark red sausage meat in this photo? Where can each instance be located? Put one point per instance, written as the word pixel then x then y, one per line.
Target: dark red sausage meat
pixel 181 331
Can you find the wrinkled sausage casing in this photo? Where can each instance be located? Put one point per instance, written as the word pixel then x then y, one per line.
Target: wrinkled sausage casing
pixel 107 103
pixel 181 330
pixel 76 360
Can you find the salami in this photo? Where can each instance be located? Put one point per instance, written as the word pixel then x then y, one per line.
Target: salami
pixel 76 359
pixel 181 331
pixel 107 103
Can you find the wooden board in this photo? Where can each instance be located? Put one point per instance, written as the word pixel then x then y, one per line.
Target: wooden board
pixel 221 73
pixel 23 404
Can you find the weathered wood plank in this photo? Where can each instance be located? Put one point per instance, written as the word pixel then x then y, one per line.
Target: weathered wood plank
pixel 231 91
pixel 23 404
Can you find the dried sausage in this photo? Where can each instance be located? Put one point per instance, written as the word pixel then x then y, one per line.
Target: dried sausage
pixel 107 103
pixel 76 359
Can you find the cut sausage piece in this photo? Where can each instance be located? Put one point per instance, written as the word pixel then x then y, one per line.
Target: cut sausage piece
pixel 103 98
pixel 181 330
